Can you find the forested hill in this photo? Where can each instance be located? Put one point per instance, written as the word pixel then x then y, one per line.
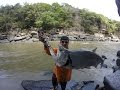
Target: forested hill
pixel 54 17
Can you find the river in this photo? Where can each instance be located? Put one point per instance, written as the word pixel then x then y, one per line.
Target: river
pixel 28 61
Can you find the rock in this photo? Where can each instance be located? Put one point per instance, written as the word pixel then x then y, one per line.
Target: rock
pixel 45 85
pixel 118 53
pixel 104 66
pixel 18 38
pixel 118 62
pixel 112 81
pixel 89 85
pixel 115 68
pixel 72 85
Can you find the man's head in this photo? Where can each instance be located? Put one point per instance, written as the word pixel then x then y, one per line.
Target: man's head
pixel 64 41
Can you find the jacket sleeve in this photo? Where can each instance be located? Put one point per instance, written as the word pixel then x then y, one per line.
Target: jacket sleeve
pixel 48 52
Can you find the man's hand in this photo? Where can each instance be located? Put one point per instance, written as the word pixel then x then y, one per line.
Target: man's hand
pixel 41 36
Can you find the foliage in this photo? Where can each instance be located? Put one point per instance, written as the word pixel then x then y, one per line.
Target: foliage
pixel 54 16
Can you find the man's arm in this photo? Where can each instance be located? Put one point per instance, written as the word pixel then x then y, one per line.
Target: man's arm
pixel 46 48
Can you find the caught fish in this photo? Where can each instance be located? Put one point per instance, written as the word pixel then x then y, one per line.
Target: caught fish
pixel 77 59
pixel 84 59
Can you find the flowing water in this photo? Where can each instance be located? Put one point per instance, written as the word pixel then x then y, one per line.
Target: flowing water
pixel 19 61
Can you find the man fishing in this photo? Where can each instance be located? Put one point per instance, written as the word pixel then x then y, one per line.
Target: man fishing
pixel 60 74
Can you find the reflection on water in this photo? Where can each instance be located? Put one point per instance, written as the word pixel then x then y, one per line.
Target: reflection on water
pixel 28 60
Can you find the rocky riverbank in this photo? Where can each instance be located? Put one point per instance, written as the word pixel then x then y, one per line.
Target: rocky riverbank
pixel 33 37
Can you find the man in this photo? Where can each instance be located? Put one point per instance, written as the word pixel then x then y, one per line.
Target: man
pixel 60 74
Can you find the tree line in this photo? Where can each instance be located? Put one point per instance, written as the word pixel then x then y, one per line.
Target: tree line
pixel 55 17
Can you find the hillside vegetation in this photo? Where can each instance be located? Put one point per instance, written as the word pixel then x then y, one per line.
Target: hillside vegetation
pixel 54 18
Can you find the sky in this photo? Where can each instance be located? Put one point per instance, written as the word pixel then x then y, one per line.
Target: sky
pixel 107 8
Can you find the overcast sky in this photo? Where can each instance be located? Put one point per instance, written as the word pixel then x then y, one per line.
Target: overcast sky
pixel 107 8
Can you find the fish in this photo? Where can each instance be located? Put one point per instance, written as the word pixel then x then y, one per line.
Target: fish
pixel 76 59
pixel 84 59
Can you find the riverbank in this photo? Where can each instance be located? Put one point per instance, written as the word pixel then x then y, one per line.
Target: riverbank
pixel 32 40
pixel 73 36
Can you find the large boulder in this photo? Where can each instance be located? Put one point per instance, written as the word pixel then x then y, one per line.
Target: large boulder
pixel 46 85
pixel 118 53
pixel 112 81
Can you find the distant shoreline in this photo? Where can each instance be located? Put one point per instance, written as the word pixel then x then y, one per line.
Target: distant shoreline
pixel 37 41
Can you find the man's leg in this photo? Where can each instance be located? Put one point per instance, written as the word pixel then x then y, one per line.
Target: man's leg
pixel 63 85
pixel 54 81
